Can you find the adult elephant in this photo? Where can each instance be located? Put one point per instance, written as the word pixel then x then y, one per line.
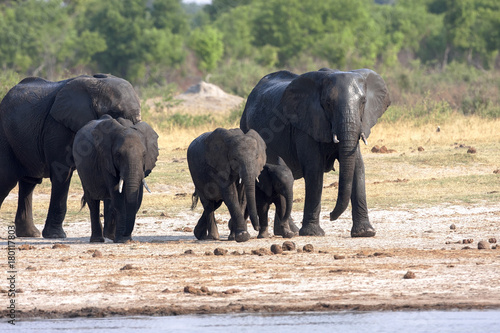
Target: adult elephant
pixel 224 165
pixel 38 121
pixel 313 119
pixel 113 158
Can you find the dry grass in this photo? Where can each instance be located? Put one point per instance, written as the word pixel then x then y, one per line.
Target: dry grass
pixel 442 172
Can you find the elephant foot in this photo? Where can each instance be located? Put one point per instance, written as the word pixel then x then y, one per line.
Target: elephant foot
pixel 263 233
pixel 109 234
pixel 242 236
pixel 53 232
pixel 289 234
pixel 363 230
pixel 97 239
pixel 311 229
pixel 293 227
pixel 122 239
pixel 231 236
pixel 27 231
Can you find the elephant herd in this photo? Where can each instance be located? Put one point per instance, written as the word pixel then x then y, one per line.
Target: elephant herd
pixel 293 126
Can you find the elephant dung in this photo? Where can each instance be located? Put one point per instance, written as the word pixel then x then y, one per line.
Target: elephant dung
pixel 308 248
pixel 289 246
pixel 276 249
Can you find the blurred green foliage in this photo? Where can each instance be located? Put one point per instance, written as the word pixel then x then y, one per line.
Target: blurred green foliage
pixel 422 47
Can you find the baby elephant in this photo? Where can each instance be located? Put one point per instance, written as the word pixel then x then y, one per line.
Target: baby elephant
pixel 275 186
pixel 221 163
pixel 112 157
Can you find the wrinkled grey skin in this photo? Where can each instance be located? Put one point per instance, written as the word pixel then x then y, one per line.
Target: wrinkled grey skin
pixel 105 151
pixel 313 119
pixel 38 121
pixel 275 186
pixel 221 163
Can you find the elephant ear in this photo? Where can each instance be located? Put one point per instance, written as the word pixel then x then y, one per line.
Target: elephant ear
pixel 72 106
pixel 217 155
pixel 103 135
pixel 301 106
pixel 265 183
pixel 377 99
pixel 261 147
pixel 150 141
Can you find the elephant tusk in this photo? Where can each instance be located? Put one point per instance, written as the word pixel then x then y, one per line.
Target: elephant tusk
pixel 146 185
pixel 363 137
pixel 257 179
pixel 120 185
pixel 335 139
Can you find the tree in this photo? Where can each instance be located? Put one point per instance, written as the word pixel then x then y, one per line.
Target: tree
pixel 208 47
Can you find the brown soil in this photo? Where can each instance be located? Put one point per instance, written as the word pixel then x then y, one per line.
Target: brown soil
pixel 416 261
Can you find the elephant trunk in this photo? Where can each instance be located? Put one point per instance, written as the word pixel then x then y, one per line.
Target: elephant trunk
pixel 132 191
pixel 288 194
pixel 347 161
pixel 249 182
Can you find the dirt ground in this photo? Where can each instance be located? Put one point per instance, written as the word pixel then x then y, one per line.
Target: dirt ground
pixel 416 261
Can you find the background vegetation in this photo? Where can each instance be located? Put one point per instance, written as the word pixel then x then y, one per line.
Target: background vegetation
pixel 439 57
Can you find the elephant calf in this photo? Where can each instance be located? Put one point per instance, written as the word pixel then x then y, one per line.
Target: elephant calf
pixel 217 162
pixel 275 186
pixel 112 158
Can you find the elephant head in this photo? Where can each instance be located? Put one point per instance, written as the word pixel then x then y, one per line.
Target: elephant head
pixel 234 155
pixel 86 98
pixel 338 108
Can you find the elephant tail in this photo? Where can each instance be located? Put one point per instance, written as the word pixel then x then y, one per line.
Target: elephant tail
pixel 194 200
pixel 83 202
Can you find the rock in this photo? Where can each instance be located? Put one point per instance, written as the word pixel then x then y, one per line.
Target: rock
pixel 453 227
pixel 492 240
pixel 420 148
pixel 338 257
pixel 482 245
pixel 276 249
pixel 60 246
pixel 468 241
pixel 204 290
pixel 97 254
pixel 189 251
pixel 471 150
pixel 209 253
pixel 220 251
pixel 191 290
pixel 497 171
pixel 409 275
pixel 127 267
pixel 262 252
pixel 288 246
pixel 308 248
pixel 231 291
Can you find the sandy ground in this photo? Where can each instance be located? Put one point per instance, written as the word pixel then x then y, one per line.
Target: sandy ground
pixel 165 270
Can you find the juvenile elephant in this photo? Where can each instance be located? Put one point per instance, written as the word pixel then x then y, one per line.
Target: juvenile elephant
pixel 38 121
pixel 313 119
pixel 112 157
pixel 275 186
pixel 218 161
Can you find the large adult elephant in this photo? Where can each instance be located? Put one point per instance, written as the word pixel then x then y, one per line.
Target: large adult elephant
pixel 113 157
pixel 313 119
pixel 224 165
pixel 38 122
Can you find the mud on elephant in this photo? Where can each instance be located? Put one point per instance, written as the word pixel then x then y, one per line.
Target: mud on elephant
pixel 313 119
pixel 113 158
pixel 221 163
pixel 38 122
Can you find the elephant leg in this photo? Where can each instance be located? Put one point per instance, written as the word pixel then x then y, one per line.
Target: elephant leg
pixel 24 216
pixel 361 226
pixel 109 220
pixel 230 197
pixel 281 227
pixel 95 221
pixel 206 228
pixel 60 178
pixel 263 211
pixel 119 211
